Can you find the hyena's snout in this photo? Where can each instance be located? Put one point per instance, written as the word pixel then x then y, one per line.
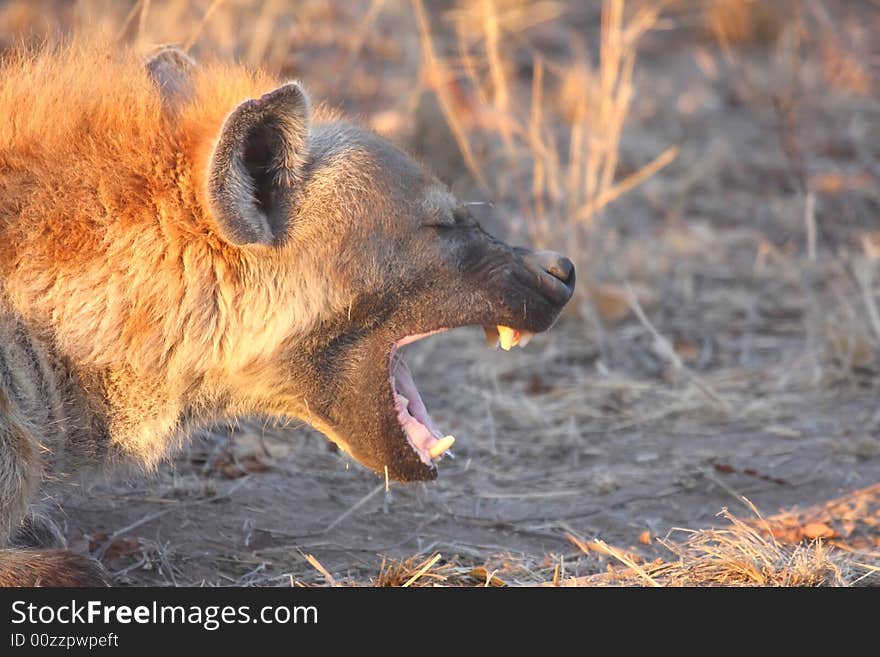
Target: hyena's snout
pixel 554 273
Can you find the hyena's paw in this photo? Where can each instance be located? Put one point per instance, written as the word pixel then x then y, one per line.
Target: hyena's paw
pixel 38 531
pixel 50 568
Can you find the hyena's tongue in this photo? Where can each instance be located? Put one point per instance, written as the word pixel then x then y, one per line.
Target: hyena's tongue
pixel 413 416
pixel 506 337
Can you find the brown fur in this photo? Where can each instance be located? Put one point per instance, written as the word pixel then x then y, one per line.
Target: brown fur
pixel 183 243
pixel 118 224
pixel 81 250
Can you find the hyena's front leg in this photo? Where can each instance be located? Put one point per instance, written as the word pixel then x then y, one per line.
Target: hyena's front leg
pixel 37 530
pixel 20 476
pixel 50 568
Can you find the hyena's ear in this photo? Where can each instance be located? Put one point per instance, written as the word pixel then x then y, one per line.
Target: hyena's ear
pixel 256 165
pixel 172 70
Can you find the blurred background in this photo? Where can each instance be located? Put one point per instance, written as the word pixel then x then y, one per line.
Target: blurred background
pixel 712 168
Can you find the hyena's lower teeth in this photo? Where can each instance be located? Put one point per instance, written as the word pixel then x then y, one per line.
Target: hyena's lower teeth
pixel 403 400
pixel 524 338
pixel 441 446
pixel 509 337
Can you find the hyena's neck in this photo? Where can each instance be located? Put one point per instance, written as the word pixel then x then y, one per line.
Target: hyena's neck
pixel 96 407
pixel 150 417
pixel 84 418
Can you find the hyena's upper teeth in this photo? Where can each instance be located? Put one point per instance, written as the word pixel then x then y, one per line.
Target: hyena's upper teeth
pixel 524 338
pixel 491 336
pixel 509 337
pixel 437 449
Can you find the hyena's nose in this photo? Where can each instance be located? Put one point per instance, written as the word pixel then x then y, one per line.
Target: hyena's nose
pixel 557 265
pixel 555 271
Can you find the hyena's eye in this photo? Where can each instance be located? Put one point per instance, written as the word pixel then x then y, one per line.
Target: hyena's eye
pixel 441 220
pixel 461 215
pixel 454 218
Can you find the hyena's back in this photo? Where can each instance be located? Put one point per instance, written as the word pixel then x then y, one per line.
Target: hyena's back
pixel 49 568
pixel 106 266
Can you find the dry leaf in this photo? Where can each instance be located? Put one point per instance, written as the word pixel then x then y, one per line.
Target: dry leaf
pixel 688 351
pixel 485 577
pixel 786 534
pixel 836 182
pixel 119 547
pixel 818 530
pixel 610 302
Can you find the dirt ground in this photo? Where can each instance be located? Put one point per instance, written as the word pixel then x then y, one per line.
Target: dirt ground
pixel 726 343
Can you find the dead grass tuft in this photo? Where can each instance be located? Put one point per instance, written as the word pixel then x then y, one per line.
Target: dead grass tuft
pixel 745 22
pixel 433 571
pixel 510 141
pixel 745 553
pixel 413 572
pixel 742 555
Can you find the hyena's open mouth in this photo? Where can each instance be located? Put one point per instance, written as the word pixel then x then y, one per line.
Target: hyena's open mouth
pixel 412 415
pixel 389 429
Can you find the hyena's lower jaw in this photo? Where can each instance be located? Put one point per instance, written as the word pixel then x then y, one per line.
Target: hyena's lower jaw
pixel 395 436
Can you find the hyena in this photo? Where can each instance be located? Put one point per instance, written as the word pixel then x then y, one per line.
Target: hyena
pixel 181 243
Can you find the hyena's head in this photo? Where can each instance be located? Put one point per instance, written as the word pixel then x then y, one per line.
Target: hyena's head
pixel 375 253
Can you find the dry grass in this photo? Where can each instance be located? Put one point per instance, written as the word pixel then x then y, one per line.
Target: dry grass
pixel 740 555
pixel 560 180
pixel 416 572
pixel 747 553
pixel 744 553
pixel 736 23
